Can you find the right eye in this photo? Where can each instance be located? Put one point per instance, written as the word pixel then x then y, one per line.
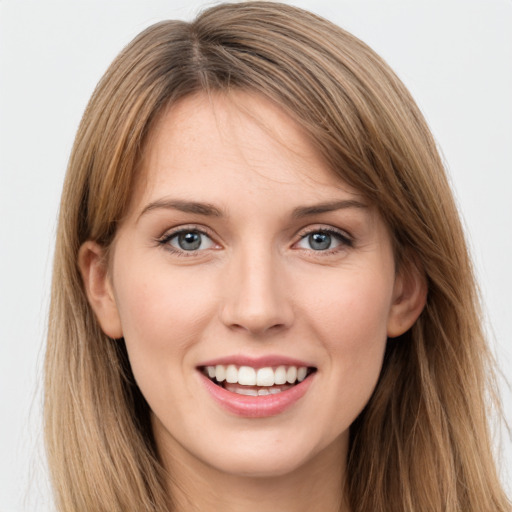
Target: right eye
pixel 188 240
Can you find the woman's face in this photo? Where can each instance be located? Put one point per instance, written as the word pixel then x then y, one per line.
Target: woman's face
pixel 244 262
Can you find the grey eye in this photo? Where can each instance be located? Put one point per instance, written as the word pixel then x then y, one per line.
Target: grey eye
pixel 319 241
pixel 323 240
pixel 190 241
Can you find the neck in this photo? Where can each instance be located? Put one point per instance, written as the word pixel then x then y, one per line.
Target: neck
pixel 316 485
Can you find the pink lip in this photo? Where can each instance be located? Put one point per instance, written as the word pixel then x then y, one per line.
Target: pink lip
pixel 256 362
pixel 256 406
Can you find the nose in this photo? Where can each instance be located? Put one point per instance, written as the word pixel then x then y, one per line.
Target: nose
pixel 256 298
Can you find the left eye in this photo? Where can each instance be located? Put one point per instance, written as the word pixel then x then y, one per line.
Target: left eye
pixel 322 241
pixel 190 241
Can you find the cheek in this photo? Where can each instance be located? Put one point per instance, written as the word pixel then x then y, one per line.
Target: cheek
pixel 160 301
pixel 350 322
pixel 351 309
pixel 162 315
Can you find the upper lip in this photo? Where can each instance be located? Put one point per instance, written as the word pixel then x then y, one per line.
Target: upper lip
pixel 256 362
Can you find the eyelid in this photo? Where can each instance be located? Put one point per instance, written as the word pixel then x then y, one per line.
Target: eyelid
pixel 324 228
pixel 199 228
pixel 169 234
pixel 343 236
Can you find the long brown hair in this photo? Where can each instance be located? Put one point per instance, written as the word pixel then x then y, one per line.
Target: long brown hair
pixel 422 442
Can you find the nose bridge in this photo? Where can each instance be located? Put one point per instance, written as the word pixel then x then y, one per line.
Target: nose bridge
pixel 256 299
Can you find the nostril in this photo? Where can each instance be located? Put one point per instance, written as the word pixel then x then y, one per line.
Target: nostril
pixel 256 327
pixel 256 304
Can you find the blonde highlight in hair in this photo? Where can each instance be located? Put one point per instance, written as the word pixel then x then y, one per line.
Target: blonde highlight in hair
pixel 422 442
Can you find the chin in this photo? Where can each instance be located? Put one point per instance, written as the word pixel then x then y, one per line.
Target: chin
pixel 267 456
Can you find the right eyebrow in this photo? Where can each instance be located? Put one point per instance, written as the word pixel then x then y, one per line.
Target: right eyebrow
pixel 198 208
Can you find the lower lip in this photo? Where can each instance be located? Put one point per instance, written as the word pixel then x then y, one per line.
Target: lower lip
pixel 257 406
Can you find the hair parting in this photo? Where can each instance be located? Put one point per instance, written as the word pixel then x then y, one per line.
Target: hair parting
pixel 422 442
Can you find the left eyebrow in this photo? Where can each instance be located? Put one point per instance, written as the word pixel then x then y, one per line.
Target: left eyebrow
pixel 305 211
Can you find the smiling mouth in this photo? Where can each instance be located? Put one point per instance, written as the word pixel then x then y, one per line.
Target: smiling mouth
pixel 245 380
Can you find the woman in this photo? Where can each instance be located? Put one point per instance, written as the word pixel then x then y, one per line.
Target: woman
pixel 262 296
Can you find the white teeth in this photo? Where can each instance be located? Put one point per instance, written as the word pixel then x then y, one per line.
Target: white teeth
pixel 247 391
pixel 231 374
pixel 246 376
pixel 301 373
pixel 280 375
pixel 263 377
pixel 220 372
pixel 291 374
pixel 241 390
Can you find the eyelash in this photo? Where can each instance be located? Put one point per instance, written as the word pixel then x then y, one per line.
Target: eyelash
pixel 344 239
pixel 165 240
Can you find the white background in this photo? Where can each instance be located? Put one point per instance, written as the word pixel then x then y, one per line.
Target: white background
pixel 454 55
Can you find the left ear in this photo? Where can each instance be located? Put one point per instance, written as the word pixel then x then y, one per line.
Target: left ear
pixel 409 299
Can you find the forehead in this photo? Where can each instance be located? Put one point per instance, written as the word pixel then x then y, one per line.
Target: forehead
pixel 205 145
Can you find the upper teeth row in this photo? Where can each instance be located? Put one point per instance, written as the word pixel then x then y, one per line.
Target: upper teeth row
pixel 248 376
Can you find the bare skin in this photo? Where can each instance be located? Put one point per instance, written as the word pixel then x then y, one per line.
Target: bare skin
pixel 241 243
pixel 204 489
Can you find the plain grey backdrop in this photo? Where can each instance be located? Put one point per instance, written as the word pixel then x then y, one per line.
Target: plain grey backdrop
pixel 454 55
